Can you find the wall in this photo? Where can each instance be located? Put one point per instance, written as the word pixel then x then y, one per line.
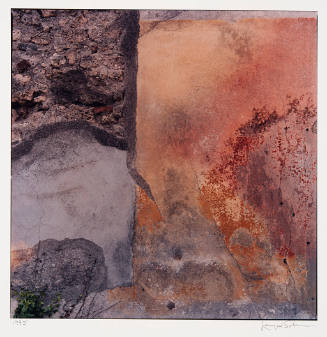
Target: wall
pixel 217 118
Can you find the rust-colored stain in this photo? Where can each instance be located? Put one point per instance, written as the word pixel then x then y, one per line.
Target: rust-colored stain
pixel 243 196
pixel 19 256
pixel 103 109
pixel 205 208
pixel 230 109
pixel 148 214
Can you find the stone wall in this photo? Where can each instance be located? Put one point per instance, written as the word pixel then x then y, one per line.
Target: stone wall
pixel 70 65
pixel 73 112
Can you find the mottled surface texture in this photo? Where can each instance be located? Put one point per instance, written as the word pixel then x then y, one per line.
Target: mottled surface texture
pixel 226 140
pixel 73 107
pixel 71 269
pixel 71 65
pixel 218 140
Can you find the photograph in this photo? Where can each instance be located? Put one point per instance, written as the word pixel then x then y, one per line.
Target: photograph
pixel 163 164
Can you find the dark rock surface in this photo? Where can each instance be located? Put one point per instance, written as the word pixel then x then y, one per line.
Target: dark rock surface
pixel 69 268
pixel 72 65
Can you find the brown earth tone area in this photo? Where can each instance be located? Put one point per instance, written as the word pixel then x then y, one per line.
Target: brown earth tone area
pixel 70 65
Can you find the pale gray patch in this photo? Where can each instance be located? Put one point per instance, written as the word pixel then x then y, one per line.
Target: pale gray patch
pixel 70 186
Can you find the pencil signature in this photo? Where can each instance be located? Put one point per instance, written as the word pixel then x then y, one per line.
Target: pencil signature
pixel 270 326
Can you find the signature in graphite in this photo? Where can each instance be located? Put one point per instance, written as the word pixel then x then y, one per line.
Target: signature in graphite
pixel 269 326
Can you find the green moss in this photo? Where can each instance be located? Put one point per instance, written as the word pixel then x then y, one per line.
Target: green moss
pixel 31 305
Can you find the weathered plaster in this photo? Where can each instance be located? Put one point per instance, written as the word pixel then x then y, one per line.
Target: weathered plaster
pixel 71 186
pixel 224 119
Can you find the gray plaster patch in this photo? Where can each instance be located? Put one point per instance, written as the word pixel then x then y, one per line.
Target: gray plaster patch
pixel 70 186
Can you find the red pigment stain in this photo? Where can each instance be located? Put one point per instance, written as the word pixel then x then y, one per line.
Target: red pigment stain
pixel 148 215
pixel 222 184
pixel 103 109
pixel 276 84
